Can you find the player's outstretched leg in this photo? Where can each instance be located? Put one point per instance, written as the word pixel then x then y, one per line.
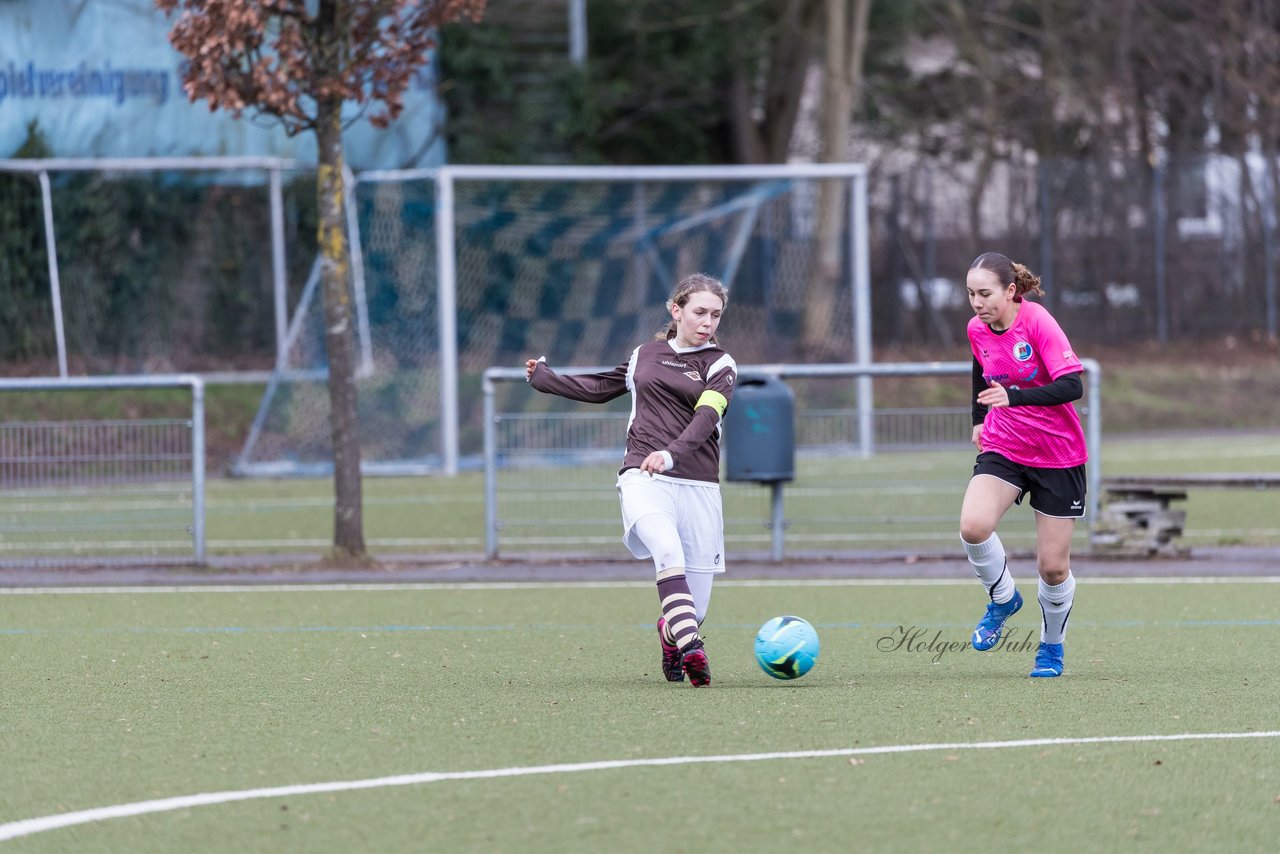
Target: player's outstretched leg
pixel 991 565
pixel 987 633
pixel 682 624
pixel 671 658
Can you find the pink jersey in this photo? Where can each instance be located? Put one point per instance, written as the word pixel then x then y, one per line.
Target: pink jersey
pixel 1033 352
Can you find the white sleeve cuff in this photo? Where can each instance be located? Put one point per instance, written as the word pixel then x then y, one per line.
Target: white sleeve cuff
pixel 666 456
pixel 543 360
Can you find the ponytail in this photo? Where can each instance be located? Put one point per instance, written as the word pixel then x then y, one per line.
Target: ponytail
pixel 1026 282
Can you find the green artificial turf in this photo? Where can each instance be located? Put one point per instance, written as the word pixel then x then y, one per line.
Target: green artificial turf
pixel 123 697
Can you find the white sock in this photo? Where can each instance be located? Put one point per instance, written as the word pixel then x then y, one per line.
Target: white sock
pixel 1055 608
pixel 992 567
pixel 700 587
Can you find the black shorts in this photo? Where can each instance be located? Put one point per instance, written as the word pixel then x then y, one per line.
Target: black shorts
pixel 1054 492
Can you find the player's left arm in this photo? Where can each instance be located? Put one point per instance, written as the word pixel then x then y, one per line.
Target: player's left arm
pixel 1064 389
pixel 708 410
pixel 1060 362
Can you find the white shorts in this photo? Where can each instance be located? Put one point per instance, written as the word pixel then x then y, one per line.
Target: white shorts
pixel 694 508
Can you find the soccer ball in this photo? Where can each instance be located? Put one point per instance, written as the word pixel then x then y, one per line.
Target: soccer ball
pixel 787 647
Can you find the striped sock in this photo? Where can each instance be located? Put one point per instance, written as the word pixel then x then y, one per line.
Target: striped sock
pixel 677 609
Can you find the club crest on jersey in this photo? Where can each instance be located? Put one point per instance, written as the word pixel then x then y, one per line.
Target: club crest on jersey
pixel 1022 351
pixel 694 375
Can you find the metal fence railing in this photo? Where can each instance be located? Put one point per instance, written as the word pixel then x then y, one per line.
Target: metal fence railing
pixel 103 490
pixel 549 476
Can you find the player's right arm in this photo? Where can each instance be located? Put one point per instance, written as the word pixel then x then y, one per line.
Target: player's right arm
pixel 979 410
pixel 979 380
pixel 588 388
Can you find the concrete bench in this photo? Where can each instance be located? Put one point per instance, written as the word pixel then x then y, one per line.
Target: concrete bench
pixel 1136 518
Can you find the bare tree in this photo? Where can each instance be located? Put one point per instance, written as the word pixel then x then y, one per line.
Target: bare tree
pixel 845 23
pixel 299 62
pixel 767 79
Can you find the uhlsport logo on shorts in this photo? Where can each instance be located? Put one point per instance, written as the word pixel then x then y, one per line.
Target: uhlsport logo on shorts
pixel 1022 351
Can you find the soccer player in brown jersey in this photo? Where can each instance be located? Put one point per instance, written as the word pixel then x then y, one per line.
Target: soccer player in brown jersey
pixel 669 484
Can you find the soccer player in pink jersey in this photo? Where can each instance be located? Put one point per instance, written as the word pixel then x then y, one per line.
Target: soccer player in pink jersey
pixel 669 484
pixel 1029 441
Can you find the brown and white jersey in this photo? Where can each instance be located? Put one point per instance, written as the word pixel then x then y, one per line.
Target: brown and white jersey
pixel 677 400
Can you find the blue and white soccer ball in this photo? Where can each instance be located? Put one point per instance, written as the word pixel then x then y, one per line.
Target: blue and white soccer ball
pixel 787 647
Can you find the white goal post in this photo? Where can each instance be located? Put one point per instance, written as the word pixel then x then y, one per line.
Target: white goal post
pixel 447 178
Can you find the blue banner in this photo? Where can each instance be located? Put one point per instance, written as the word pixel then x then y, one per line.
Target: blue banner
pixel 100 79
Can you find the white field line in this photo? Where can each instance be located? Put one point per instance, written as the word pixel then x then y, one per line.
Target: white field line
pixel 303 587
pixel 30 826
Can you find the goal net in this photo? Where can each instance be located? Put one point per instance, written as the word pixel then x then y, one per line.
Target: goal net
pixel 574 264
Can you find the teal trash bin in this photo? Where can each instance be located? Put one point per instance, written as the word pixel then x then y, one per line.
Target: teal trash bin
pixel 759 431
